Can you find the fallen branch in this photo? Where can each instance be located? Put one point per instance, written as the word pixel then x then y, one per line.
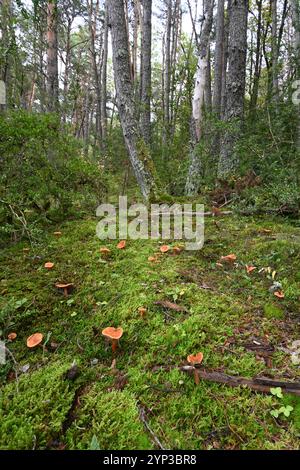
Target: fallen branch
pixel 259 384
pixel 146 424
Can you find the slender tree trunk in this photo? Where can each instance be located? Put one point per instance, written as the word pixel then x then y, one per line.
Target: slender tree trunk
pixel 95 65
pixel 219 57
pixel 235 87
pixel 195 168
pixel 275 95
pixel 52 57
pixel 146 71
pixel 225 58
pixel 104 78
pixel 295 6
pixel 167 73
pixel 258 57
pixel 139 153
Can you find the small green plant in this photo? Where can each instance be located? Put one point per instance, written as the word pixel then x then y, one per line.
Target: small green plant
pixel 283 410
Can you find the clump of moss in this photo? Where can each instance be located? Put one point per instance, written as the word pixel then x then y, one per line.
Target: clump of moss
pixel 30 416
pixel 112 417
pixel 272 311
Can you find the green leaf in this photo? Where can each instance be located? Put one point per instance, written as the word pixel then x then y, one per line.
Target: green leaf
pixel 94 445
pixel 274 413
pixel 277 392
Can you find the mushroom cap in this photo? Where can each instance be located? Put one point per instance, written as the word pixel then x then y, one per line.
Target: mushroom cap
pixel 250 268
pixel 57 234
pixel 230 258
pixel 164 248
pixel 195 359
pixel 49 265
pixel 142 310
pixel 152 259
pixel 34 340
pixel 112 333
pixel 121 245
pixel 105 250
pixel 279 294
pixel 63 286
pixel 12 336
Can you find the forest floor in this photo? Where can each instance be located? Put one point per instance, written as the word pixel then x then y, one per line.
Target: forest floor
pixel 142 400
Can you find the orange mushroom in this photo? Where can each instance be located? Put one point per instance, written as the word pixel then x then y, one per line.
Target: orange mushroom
pixel 152 259
pixel 250 268
pixel 164 248
pixel 142 311
pixel 49 265
pixel 121 245
pixel 113 334
pixel 279 294
pixel 12 336
pixel 65 287
pixel 177 250
pixel 104 251
pixel 229 258
pixel 34 340
pixel 195 360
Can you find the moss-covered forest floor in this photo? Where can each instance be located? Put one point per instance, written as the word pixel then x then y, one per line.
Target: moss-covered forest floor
pixel 72 393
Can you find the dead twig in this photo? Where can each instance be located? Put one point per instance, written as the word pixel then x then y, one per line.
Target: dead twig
pixel 146 424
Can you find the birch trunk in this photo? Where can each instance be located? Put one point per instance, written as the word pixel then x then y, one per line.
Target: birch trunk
pixel 193 179
pixel 235 87
pixel 139 153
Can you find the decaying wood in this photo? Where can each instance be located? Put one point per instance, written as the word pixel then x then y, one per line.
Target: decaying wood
pixel 259 384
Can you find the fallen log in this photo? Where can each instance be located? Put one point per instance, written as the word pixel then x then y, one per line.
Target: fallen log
pixel 258 384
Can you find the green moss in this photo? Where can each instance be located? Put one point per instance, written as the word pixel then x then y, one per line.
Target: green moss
pixel 218 321
pixel 30 417
pixel 272 311
pixel 112 417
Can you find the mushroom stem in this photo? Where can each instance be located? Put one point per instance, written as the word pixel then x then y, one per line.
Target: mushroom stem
pixel 65 292
pixel 196 376
pixel 114 345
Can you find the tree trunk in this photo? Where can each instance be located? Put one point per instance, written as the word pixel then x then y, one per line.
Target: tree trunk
pixel 258 57
pixel 235 86
pixel 274 51
pixel 193 179
pixel 219 57
pixel 139 153
pixel 295 6
pixel 167 73
pixel 146 71
pixel 52 57
pixel 104 78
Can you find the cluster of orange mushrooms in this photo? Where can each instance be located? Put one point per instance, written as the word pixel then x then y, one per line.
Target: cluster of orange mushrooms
pixel 111 334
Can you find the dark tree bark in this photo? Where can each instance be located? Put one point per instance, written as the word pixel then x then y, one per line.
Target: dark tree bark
pixel 235 86
pixel 146 71
pixel 52 57
pixel 139 153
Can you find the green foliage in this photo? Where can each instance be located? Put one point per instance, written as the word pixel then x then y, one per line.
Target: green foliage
pixel 44 176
